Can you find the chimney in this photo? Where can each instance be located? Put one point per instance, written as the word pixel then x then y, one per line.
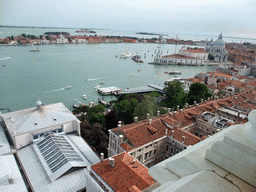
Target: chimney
pixel 169 110
pixel 147 115
pixel 150 121
pixel 170 113
pixel 133 161
pixel 216 110
pixel 119 127
pixel 172 133
pixel 208 98
pixel 239 103
pixel 111 162
pixel 135 119
pixel 166 131
pixel 174 113
pixel 183 139
pixel 213 104
pixel 158 113
pixel 181 110
pixel 101 156
pixel 186 105
pixel 202 100
pixel 211 97
pixel 194 102
pixel 178 107
pixel 197 105
pixel 121 139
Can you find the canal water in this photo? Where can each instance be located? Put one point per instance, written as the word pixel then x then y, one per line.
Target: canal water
pixel 25 75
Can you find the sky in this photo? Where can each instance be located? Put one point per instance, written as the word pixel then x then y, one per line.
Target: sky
pixel 232 17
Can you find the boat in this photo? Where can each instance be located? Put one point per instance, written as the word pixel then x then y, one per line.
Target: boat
pixel 166 72
pixel 136 58
pixel 96 87
pixel 132 75
pixel 67 87
pixel 173 72
pixel 88 79
pixel 84 96
pixel 101 83
pixel 125 55
pixel 175 78
pixel 33 48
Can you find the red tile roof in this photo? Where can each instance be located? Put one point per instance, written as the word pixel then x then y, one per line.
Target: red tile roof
pixel 125 176
pixel 178 56
pixel 126 147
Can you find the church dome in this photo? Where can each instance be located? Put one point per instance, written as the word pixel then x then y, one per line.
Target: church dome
pixel 39 104
pixel 219 42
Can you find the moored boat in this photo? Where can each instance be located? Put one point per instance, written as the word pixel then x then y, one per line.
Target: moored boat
pixel 173 72
pixel 84 96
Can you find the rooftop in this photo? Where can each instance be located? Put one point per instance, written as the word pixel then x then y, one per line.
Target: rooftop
pixel 126 175
pixel 178 56
pixel 27 120
pixel 223 162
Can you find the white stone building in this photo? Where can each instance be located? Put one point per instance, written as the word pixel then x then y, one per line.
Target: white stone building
pixel 194 52
pixel 217 49
pixel 62 39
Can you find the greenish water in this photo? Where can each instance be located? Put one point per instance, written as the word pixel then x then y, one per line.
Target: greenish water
pixel 46 73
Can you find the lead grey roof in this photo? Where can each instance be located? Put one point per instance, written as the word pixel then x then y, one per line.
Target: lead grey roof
pixel 144 89
pixel 10 177
pixel 58 155
pixel 4 144
pixel 31 119
pixel 38 177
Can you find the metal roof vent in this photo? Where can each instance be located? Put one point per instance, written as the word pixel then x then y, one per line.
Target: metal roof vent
pixel 35 123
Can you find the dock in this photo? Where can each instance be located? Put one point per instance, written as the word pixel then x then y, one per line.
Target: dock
pixel 145 89
pixel 109 90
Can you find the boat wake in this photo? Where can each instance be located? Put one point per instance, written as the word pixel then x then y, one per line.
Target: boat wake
pixel 54 90
pixel 5 58
pixel 92 79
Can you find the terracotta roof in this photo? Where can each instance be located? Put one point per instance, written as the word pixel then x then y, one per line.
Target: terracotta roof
pixel 190 139
pixel 199 50
pixel 124 176
pixel 195 80
pixel 223 75
pixel 178 56
pixel 126 147
pixel 253 83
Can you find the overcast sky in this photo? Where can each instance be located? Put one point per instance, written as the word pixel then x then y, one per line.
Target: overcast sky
pixel 232 17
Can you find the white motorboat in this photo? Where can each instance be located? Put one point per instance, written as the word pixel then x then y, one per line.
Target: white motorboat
pixel 96 87
pixel 173 72
pixel 67 87
pixel 125 55
pixel 132 75
pixel 101 83
pixel 88 79
pixel 84 96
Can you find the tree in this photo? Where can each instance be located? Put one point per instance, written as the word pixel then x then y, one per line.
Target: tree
pixel 111 120
pixel 198 91
pixel 147 106
pixel 95 137
pixel 41 36
pixel 124 111
pixel 24 35
pixel 210 57
pixel 175 95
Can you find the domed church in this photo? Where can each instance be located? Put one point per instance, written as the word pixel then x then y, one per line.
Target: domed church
pixel 217 49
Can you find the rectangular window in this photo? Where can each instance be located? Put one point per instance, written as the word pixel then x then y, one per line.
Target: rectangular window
pixel 139 158
pixel 150 153
pixel 146 156
pixel 35 136
pixel 171 150
pixel 167 148
pixel 154 152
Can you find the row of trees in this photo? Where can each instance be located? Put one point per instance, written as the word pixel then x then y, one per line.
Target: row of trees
pixel 176 95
